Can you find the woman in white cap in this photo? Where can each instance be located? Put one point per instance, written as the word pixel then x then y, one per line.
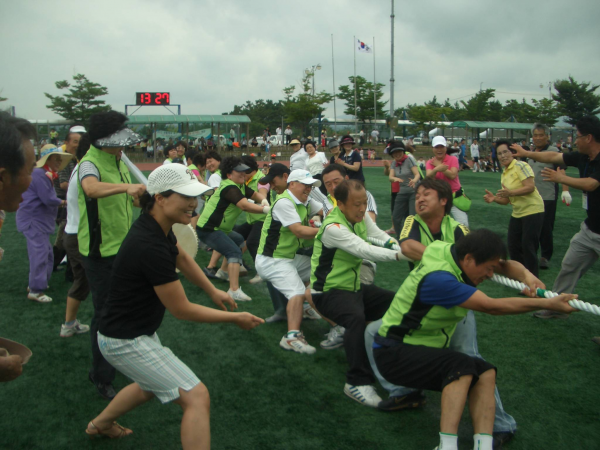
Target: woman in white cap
pixel 445 167
pixel 144 283
pixel 36 219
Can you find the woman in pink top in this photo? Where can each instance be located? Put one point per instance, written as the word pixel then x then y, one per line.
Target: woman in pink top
pixel 445 167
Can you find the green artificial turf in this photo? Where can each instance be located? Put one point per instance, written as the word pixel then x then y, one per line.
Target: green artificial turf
pixel 265 398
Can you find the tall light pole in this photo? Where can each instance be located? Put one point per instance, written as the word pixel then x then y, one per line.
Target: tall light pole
pixel 480 84
pixel 311 71
pixel 392 74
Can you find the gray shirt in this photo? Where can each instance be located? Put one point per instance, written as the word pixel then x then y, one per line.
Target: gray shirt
pixel 547 189
pixel 405 172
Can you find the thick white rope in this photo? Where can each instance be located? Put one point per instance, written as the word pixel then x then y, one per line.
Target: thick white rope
pixel 577 304
pixel 134 169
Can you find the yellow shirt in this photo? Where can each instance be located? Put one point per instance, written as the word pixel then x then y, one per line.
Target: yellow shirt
pixel 512 178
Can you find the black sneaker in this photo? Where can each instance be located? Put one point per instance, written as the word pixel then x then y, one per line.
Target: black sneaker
pixel 106 391
pixel 501 438
pixel 210 273
pixel 544 263
pixel 410 401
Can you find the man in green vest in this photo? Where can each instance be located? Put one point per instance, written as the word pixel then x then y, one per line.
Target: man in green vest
pixel 434 223
pixel 412 346
pixel 285 233
pixel 106 200
pixel 337 291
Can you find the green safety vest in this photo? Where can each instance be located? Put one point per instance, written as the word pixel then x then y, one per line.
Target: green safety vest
pixel 448 228
pixel 218 213
pixel 416 323
pixel 253 184
pixel 332 268
pixel 278 241
pixel 104 222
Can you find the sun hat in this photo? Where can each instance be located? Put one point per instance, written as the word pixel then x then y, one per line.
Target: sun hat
pixel 304 177
pixel 77 129
pixel 176 178
pixel 8 347
pixel 295 141
pixel 347 140
pixel 51 149
pixel 396 146
pixel 439 140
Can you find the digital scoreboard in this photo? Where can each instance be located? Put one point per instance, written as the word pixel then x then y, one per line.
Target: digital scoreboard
pixel 152 98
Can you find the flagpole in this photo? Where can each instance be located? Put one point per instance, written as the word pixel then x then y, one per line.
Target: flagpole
pixel 355 108
pixel 392 73
pixel 374 84
pixel 333 67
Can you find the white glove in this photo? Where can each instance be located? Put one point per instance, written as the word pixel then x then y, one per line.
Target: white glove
pixel 566 198
pixel 264 202
pixel 315 222
pixel 401 257
pixel 266 209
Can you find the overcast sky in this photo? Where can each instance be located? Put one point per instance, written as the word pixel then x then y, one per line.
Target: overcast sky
pixel 211 55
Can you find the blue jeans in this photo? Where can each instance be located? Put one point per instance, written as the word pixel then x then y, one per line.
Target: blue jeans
pixel 228 245
pixel 463 340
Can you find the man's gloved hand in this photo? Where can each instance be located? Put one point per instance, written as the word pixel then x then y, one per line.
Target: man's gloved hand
pixel 566 198
pixel 390 243
pixel 266 209
pixel 264 202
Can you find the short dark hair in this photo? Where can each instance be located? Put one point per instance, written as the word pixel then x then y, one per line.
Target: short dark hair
pixel 342 191
pixel 104 124
pixel 589 125
pixel 169 147
pixel 334 167
pixel 442 188
pixel 250 162
pixel 484 245
pixel 213 155
pixel 506 142
pixel 190 155
pixel 228 164
pixel 84 145
pixel 183 144
pixel 199 160
pixel 13 131
pixel 310 143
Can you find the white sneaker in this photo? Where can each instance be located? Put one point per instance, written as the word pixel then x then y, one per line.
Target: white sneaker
pixel 310 313
pixel 77 328
pixel 296 343
pixel 335 338
pixel 239 295
pixel 257 279
pixel 367 395
pixel 221 274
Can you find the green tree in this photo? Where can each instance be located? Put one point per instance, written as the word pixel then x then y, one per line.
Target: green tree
pixel 427 117
pixel 365 92
pixel 81 101
pixel 522 111
pixel 546 111
pixel 299 110
pixel 478 106
pixel 576 100
pixel 262 113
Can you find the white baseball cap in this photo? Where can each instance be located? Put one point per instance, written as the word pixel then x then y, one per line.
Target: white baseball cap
pixel 304 177
pixel 176 178
pixel 439 140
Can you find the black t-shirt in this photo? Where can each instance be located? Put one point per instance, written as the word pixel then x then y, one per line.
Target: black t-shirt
pixel 146 259
pixel 351 158
pixel 233 194
pixel 588 169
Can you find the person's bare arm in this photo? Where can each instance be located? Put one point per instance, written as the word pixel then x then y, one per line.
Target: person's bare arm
pixel 417 176
pixel 259 196
pixel 412 249
pixel 303 232
pixel 545 157
pixel 559 176
pixel 64 185
pixel 517 271
pixel 94 188
pixel 173 297
pixel 451 173
pixel 386 167
pixel 354 167
pixel 245 205
pixel 517 305
pixel 491 198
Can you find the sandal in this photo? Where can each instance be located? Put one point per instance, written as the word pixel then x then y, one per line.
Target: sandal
pixel 39 297
pixel 120 431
